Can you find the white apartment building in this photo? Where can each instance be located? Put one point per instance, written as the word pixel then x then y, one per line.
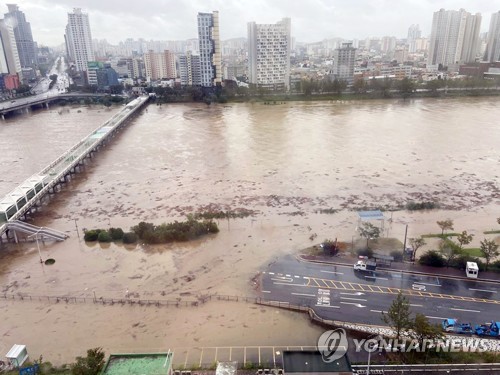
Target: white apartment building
pixel 190 69
pixel 343 64
pixel 9 59
pixel 269 48
pixel 414 33
pixel 79 39
pixel 493 45
pixel 209 49
pixel 159 65
pixel 454 37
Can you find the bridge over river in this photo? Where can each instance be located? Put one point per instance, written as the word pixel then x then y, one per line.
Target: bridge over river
pixel 29 194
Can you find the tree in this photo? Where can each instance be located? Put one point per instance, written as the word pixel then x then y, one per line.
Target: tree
pixel 398 315
pixel 369 231
pixel 423 330
pixel 464 238
pixel 359 86
pixel 490 250
pixel 449 249
pixel 416 243
pixel 406 87
pixel 445 225
pixel 432 258
pixel 92 364
pixel 498 220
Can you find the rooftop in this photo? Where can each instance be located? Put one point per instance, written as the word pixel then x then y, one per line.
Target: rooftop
pixel 312 362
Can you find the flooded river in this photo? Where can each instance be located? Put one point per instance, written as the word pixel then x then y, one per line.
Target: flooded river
pixel 283 162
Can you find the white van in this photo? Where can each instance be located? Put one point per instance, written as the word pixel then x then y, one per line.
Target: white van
pixel 472 270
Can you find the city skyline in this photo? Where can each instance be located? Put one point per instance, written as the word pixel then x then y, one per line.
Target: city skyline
pixel 116 21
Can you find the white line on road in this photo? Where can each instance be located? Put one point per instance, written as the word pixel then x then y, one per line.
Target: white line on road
pixel 353 294
pixel 352 303
pixel 265 291
pixel 416 305
pixel 282 279
pixel 375 277
pixel 418 282
pixel 354 299
pixel 332 307
pixel 483 290
pixel 297 277
pixel 379 311
pixel 270 273
pixel 476 311
pixel 304 294
pixel 288 275
pixel 337 273
pixel 435 317
pixel 278 283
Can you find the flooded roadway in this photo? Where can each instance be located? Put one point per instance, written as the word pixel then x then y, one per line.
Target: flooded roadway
pixel 285 162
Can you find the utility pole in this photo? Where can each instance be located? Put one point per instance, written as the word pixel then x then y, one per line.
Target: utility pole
pixel 404 245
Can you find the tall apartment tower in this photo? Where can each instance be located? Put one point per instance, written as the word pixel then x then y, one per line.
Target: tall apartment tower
pixel 190 69
pixel 492 53
pixel 159 65
pixel 343 64
pixel 454 37
pixel 210 52
pixel 9 58
pixel 24 38
pixel 269 48
pixel 414 33
pixel 79 39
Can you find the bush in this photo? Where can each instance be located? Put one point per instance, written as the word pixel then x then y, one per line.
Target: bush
pixel 129 237
pixel 414 206
pixel 176 231
pixel 432 258
pixel 104 236
pixel 116 233
pixel 92 235
pixel 397 255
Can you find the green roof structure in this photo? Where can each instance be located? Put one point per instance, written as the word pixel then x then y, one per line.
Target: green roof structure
pixel 139 364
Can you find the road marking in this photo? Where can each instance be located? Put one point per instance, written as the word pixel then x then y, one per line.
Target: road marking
pixel 265 291
pixel 418 287
pixel 435 317
pixel 297 277
pixel 354 299
pixel 416 305
pixel 288 275
pixel 336 273
pixel 352 303
pixel 333 307
pixel 277 283
pixel 353 294
pixel 483 290
pixel 376 277
pixel 476 311
pixel 379 311
pixel 304 294
pixel 270 273
pixel 282 279
pixel 418 282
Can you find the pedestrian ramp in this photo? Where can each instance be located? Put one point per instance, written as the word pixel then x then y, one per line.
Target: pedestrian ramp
pixel 34 231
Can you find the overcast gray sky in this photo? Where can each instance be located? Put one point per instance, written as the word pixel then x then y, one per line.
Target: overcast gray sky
pixel 312 20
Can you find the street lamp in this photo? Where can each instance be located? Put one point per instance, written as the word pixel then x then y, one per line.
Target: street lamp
pixel 37 245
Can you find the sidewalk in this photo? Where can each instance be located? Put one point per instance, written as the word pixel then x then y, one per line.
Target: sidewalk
pixel 349 260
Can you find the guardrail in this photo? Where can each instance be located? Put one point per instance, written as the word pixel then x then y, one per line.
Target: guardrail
pixel 487 368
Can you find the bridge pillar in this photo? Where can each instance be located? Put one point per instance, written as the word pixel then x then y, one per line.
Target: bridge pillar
pixel 47 105
pixel 3 116
pixel 15 236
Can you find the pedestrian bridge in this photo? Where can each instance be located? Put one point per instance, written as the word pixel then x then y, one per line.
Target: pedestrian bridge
pixel 28 195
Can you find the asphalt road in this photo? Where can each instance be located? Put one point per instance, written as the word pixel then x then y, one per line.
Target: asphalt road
pixel 338 292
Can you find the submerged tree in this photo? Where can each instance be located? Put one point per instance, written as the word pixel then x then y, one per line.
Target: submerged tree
pixel 490 250
pixel 445 225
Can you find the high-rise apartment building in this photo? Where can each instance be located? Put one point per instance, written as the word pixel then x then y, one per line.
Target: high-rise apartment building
pixel 79 39
pixel 190 69
pixel 414 33
pixel 210 52
pixel 24 38
pixel 9 59
pixel 343 63
pixel 269 48
pixel 454 37
pixel 492 53
pixel 160 65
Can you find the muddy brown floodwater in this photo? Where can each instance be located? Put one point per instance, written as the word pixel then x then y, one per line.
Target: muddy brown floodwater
pixel 284 162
